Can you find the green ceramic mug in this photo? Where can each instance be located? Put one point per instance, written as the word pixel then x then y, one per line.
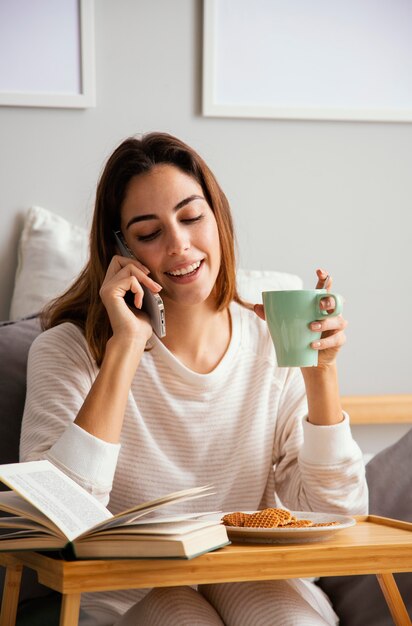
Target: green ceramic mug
pixel 288 315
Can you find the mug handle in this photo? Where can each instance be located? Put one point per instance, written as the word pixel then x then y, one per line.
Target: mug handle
pixel 338 304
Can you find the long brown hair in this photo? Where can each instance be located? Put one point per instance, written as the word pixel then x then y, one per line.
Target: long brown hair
pixel 81 303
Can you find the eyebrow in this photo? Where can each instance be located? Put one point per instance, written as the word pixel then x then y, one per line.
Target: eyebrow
pixel 153 216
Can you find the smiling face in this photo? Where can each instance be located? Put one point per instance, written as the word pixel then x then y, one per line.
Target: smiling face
pixel 170 228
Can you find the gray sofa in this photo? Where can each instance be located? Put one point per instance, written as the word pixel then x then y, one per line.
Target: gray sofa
pixel 38 605
pixel 357 599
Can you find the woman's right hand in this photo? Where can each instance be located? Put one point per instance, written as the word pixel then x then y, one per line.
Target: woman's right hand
pixel 125 274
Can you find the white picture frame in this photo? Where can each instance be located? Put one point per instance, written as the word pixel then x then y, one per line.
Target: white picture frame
pixel 369 75
pixel 38 83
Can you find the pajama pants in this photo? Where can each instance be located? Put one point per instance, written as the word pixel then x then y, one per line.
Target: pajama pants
pixel 292 602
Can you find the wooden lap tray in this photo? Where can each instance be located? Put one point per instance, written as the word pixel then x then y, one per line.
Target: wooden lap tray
pixel 375 545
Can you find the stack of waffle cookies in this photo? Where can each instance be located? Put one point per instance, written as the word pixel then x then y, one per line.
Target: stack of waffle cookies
pixel 269 518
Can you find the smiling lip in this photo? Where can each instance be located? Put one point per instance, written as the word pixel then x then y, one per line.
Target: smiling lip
pixel 189 272
pixel 185 269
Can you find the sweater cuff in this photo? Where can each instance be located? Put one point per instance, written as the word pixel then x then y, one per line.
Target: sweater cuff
pixel 86 456
pixel 328 445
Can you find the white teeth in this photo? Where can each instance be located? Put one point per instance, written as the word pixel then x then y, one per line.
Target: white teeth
pixel 186 270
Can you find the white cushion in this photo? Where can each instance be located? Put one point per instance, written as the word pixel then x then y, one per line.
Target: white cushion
pixel 52 252
pixel 251 283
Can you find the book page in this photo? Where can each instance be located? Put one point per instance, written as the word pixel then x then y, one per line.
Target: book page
pixel 131 516
pixel 162 528
pixel 62 500
pixel 22 523
pixel 11 502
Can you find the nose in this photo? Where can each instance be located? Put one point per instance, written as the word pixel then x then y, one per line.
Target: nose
pixel 177 242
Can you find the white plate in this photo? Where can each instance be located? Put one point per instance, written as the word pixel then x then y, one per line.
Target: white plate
pixel 291 535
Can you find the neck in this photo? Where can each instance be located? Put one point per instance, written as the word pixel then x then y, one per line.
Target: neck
pixel 197 335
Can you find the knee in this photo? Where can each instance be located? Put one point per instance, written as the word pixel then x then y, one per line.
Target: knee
pixel 174 595
pixel 180 606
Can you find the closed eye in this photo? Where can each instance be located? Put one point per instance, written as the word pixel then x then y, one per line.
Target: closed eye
pixel 191 220
pixel 156 233
pixel 149 237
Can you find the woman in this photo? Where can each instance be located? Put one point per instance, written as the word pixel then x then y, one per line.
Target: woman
pixel 132 417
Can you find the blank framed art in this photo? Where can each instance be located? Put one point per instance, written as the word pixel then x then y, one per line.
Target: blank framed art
pixel 47 53
pixel 294 59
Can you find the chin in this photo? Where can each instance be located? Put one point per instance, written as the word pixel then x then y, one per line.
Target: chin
pixel 190 299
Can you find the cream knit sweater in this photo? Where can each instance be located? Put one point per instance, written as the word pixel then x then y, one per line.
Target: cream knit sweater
pixel 242 428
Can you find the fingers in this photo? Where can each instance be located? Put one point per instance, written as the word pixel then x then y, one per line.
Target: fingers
pixel 324 279
pixel 325 282
pixel 123 275
pixel 332 329
pixel 122 266
pixel 327 304
pixel 329 324
pixel 119 286
pixel 119 262
pixel 336 341
pixel 260 311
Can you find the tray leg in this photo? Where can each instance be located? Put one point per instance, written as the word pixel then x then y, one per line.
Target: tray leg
pixel 11 592
pixel 69 613
pixel 394 599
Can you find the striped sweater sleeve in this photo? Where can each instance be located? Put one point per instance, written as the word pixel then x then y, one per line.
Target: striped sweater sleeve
pixel 317 468
pixel 60 373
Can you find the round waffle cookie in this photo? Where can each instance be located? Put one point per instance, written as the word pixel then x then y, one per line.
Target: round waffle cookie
pixel 327 524
pixel 300 523
pixel 235 519
pixel 268 518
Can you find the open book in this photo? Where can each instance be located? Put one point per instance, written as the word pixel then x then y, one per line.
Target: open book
pixel 52 512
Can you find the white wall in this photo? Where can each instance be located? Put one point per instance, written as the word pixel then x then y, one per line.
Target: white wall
pixel 304 194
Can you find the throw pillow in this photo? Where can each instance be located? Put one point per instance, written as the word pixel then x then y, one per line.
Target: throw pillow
pixel 52 252
pixel 251 283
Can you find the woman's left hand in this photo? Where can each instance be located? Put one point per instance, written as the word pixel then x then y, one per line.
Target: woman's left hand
pixel 332 328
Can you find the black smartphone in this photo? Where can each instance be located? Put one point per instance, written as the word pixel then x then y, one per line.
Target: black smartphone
pixel 152 303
